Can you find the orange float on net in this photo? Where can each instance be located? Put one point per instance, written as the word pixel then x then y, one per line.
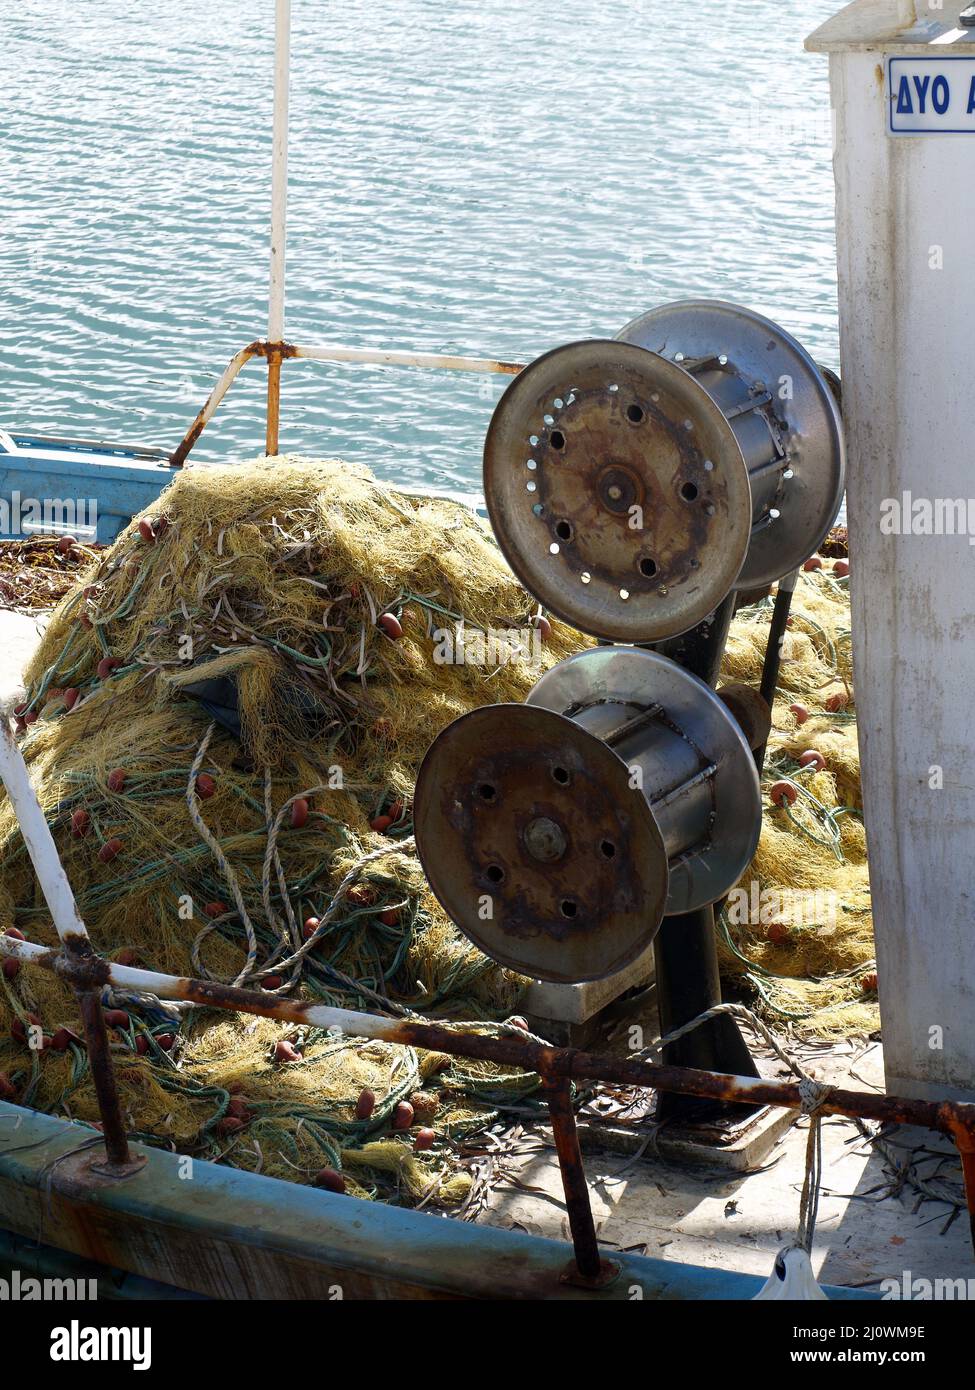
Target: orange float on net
pixel 107 665
pixel 330 1179
pixel 781 792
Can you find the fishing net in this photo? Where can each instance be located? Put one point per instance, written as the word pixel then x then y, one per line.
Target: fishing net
pixel 224 723
pixel 799 931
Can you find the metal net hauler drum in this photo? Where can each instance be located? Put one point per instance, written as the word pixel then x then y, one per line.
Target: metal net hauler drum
pixel 632 482
pixel 558 833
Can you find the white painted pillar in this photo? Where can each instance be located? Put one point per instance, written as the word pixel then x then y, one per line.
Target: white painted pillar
pixel 902 75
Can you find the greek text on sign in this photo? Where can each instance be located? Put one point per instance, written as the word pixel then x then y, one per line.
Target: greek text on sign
pixel 932 96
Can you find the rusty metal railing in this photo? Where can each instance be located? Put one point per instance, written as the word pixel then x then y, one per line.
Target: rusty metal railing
pixel 87 973
pixel 275 352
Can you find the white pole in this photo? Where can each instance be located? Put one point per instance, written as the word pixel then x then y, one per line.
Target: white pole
pixel 37 837
pixel 279 170
pixel 279 213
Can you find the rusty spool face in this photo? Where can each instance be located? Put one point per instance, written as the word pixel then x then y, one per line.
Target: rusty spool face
pixel 537 847
pixel 617 491
pixel 793 516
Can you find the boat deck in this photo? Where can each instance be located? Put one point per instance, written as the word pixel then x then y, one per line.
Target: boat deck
pixel 866 1232
pixel 869 1228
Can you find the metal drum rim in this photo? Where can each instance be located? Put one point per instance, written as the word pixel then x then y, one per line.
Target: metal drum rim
pixel 732 461
pixel 752 575
pixel 743 833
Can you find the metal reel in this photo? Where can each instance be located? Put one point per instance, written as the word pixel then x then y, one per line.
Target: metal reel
pixel 536 846
pixel 617 491
pixel 699 774
pixel 782 410
pixel 558 833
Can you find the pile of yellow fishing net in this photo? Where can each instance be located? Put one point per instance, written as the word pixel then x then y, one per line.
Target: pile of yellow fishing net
pixel 224 723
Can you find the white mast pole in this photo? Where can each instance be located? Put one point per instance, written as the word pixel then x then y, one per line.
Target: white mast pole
pixel 279 211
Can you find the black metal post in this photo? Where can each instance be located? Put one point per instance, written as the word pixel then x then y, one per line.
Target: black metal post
pixel 701 650
pixel 773 648
pixel 685 950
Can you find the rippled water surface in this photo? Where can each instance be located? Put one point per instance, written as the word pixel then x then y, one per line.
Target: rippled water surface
pixel 491 177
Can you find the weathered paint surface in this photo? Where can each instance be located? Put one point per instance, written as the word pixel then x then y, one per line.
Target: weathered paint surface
pixel 905 208
pixel 231 1234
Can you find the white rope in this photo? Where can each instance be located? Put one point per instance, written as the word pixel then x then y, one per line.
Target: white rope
pixel 813 1095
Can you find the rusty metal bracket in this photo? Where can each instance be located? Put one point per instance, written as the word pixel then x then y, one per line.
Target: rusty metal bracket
pixel 588 1268
pixel 277 351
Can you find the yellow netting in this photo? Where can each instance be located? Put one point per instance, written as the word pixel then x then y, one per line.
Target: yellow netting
pixel 802 917
pixel 313 600
pixel 320 600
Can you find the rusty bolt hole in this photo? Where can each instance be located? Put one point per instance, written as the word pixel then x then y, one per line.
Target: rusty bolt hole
pixel 568 908
pixel 563 529
pixel 689 492
pixel 607 849
pixel 648 567
pixel 557 439
pixel 561 776
pixel 634 413
pixel 495 873
pixel 487 792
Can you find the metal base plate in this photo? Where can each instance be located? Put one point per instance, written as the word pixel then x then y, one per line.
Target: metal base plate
pixel 764 352
pixel 634 677
pixel 534 842
pixel 617 491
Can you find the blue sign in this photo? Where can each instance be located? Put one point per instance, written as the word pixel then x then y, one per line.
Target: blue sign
pixel 931 96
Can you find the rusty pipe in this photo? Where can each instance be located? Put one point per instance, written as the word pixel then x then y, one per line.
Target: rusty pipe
pixel 589 1267
pixel 953 1118
pixel 278 350
pixel 273 404
pixel 117 1153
